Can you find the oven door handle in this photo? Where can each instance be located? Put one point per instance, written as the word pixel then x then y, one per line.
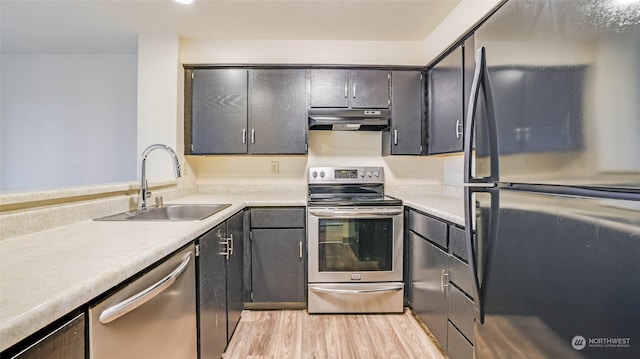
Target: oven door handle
pixel 357 291
pixel 355 212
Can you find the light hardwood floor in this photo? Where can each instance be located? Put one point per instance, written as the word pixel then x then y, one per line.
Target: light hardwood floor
pixel 297 334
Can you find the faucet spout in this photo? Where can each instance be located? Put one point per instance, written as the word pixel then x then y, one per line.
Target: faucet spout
pixel 144 189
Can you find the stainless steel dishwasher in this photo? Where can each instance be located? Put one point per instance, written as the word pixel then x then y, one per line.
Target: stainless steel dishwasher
pixel 152 317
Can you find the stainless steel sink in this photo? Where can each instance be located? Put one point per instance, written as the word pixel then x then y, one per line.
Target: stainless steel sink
pixel 172 212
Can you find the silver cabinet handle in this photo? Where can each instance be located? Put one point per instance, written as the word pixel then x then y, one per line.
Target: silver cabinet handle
pixel 300 248
pixel 356 213
pixel 253 135
pixel 346 87
pixel 354 90
pixel 395 136
pixel 225 252
pixel 356 291
pixel 458 129
pixel 118 310
pixel 444 280
pixel 244 135
pixel 230 244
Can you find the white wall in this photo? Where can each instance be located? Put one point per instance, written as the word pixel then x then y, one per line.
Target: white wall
pixel 301 52
pixel 160 95
pixel 67 120
pixel 463 17
pixel 326 148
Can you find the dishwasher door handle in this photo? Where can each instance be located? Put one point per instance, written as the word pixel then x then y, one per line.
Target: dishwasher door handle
pixel 118 310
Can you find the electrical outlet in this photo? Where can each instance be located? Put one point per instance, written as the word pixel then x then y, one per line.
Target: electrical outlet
pixel 275 167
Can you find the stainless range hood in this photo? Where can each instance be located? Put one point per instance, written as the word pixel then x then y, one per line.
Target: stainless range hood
pixel 348 119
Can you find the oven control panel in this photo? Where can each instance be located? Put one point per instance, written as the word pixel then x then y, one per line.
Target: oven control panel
pixel 338 175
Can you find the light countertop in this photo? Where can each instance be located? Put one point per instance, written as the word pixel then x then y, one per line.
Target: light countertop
pixel 48 274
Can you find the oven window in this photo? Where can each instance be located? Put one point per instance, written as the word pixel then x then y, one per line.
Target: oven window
pixel 348 245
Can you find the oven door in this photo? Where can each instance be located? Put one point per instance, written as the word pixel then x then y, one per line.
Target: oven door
pixel 355 244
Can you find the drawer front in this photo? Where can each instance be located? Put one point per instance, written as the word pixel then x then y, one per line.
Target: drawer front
pixel 460 275
pixel 293 217
pixel 429 228
pixel 458 243
pixel 461 312
pixel 457 346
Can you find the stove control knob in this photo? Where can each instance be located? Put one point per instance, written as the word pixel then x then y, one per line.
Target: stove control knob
pixel 361 174
pixel 376 173
pixel 314 174
pixel 322 174
pixel 369 174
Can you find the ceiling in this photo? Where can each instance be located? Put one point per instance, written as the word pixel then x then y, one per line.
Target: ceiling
pixel 112 26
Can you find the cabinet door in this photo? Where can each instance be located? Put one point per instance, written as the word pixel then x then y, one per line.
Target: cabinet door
pixel 278 265
pixel 219 111
pixel 212 303
pixel 278 112
pixel 406 113
pixel 235 302
pixel 329 88
pixel 66 342
pixel 429 296
pixel 369 89
pixel 445 93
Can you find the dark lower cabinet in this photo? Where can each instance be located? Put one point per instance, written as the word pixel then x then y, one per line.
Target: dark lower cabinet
pixel 458 346
pixel 278 263
pixel 220 286
pixel 440 282
pixel 235 300
pixel 66 342
pixel 429 295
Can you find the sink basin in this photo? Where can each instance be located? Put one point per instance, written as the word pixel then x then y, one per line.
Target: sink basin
pixel 172 212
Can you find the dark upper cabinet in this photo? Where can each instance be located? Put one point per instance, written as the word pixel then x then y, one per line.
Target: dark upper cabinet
pixel 277 112
pixel 369 88
pixel 407 99
pixel 349 88
pixel 329 88
pixel 449 86
pixel 240 111
pixel 445 104
pixel 219 111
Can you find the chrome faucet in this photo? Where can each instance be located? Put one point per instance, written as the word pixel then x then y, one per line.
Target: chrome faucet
pixel 144 188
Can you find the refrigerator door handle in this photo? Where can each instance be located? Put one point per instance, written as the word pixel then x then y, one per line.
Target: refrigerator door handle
pixel 480 81
pixel 479 256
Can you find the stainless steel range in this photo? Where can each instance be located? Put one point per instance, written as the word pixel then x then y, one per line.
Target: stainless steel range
pixel 354 242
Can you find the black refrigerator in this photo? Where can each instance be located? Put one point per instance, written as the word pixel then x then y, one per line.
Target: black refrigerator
pixel 552 173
